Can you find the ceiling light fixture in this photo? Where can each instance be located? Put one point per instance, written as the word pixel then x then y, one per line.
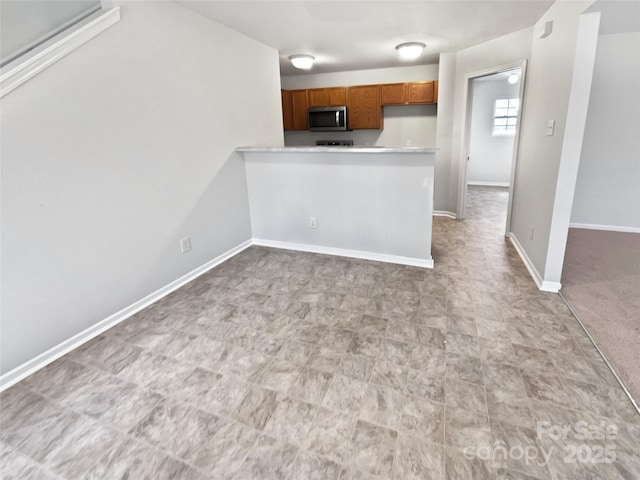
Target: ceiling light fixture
pixel 513 78
pixel 410 50
pixel 305 62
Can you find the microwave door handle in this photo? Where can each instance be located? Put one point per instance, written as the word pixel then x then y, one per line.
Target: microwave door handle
pixel 337 118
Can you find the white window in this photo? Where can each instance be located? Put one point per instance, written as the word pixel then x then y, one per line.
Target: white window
pixel 505 116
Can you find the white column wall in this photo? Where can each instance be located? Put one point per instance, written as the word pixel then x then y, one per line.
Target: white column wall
pixel 607 192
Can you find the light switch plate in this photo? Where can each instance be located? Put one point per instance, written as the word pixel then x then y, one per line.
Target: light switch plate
pixel 546 29
pixel 551 124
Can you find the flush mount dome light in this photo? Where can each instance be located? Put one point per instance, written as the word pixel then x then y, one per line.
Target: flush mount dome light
pixel 410 50
pixel 513 78
pixel 304 62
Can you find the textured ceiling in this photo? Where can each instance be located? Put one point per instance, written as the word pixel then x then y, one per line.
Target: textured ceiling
pixel 357 35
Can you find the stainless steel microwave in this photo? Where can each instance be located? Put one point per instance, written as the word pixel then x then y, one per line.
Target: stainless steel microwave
pixel 328 119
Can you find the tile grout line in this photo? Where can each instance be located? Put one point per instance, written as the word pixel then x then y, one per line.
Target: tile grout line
pixel 444 390
pixel 348 464
pixel 124 435
pixel 169 397
pixel 486 405
pixel 34 463
pixel 530 402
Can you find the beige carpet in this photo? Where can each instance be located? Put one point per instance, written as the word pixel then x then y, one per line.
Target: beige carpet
pixel 601 282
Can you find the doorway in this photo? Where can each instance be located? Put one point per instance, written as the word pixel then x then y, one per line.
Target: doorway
pixel 487 175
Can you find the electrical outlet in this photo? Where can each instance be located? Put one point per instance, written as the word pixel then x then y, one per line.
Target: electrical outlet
pixel 532 231
pixel 185 244
pixel 312 222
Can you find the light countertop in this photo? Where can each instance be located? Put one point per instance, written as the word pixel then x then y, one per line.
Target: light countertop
pixel 336 149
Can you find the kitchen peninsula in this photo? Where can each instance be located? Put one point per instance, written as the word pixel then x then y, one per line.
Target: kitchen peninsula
pixel 363 202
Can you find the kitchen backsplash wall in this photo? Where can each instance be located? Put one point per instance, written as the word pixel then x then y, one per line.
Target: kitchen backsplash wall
pixel 406 126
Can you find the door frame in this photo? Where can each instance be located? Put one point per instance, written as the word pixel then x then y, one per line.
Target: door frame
pixel 468 96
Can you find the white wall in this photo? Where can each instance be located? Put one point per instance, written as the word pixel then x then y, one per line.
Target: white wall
pixel 413 125
pixel 369 203
pixel 548 88
pixel 414 73
pixel 490 156
pixel 608 185
pixel 444 132
pixel 112 155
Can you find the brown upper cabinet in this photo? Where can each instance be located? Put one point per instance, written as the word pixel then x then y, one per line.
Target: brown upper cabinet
pixel 327 97
pixel 422 92
pixel 394 93
pixel 412 93
pixel 365 109
pixel 365 102
pixel 287 109
pixel 299 107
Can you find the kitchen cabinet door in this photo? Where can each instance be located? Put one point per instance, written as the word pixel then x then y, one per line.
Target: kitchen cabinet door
pixel 300 106
pixel 318 97
pixel 421 92
pixel 327 97
pixel 337 96
pixel 287 110
pixel 365 109
pixel 393 93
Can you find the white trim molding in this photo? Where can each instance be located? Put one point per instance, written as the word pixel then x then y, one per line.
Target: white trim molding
pixel 14 376
pixel 444 213
pixel 553 287
pixel 22 69
pixel 488 184
pixel 342 252
pixel 543 285
pixel 608 228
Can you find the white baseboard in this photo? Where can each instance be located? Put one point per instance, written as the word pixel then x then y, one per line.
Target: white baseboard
pixel 444 213
pixel 342 252
pixel 45 358
pixel 489 184
pixel 553 287
pixel 609 228
pixel 543 285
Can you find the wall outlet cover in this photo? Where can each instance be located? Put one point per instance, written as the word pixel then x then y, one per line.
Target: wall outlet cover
pixel 185 244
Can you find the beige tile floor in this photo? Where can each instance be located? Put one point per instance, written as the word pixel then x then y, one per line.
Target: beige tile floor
pixel 290 365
